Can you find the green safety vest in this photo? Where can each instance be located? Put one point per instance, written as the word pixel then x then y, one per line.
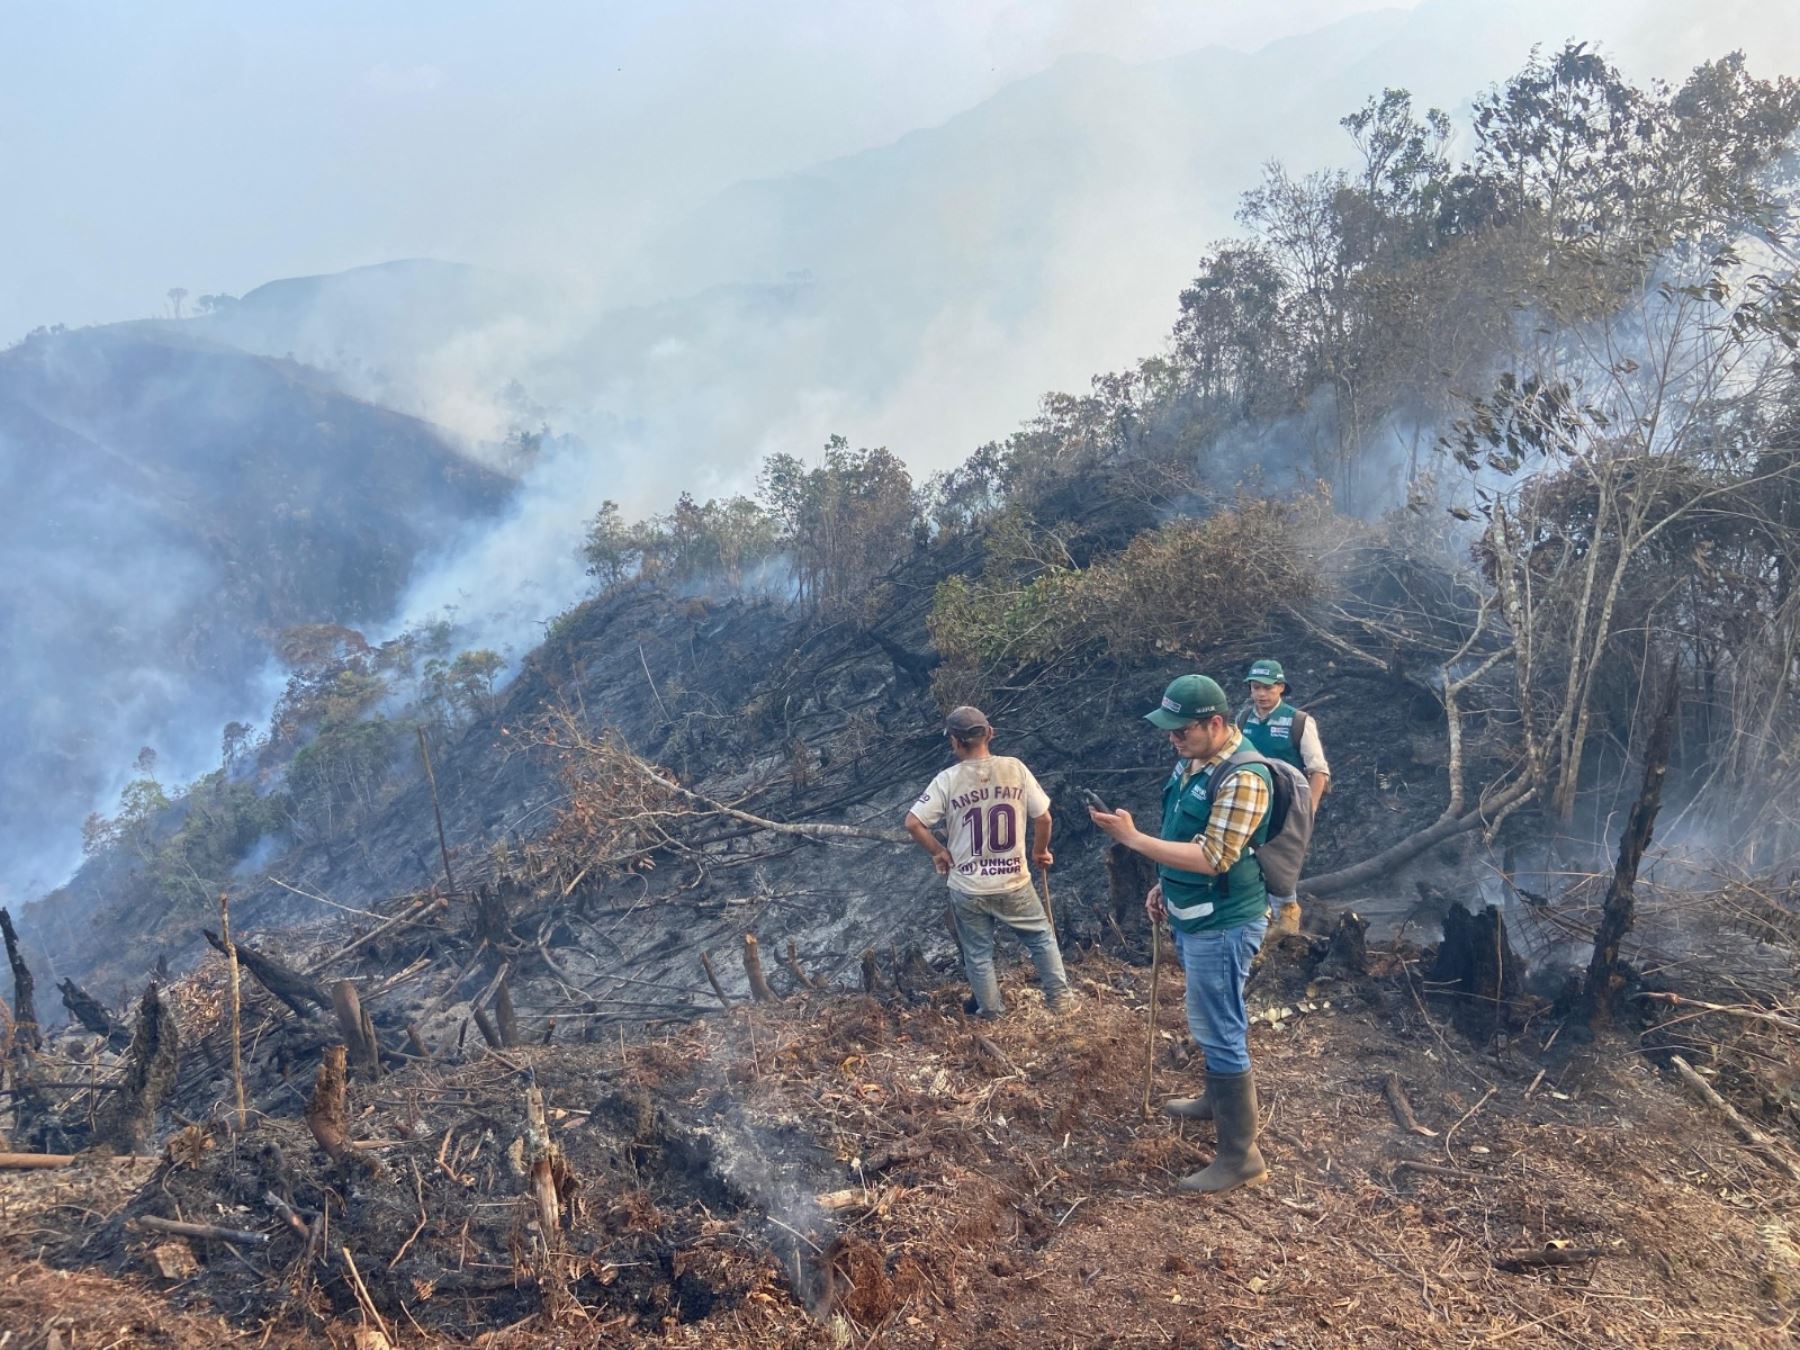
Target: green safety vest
pixel 1276 736
pixel 1198 903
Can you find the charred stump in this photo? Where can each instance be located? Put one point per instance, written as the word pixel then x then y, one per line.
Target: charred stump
pixel 27 1036
pixel 327 1113
pixel 1478 967
pixel 357 1029
pixel 1348 952
pixel 493 922
pixel 1617 915
pixel 92 1014
pixel 127 1120
pixel 287 984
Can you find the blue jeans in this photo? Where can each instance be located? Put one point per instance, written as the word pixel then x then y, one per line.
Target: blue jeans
pixel 978 918
pixel 1216 965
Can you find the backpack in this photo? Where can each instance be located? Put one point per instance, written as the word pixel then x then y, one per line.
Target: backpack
pixel 1283 853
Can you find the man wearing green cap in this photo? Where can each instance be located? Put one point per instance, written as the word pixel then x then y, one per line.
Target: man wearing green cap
pixel 1211 892
pixel 1281 731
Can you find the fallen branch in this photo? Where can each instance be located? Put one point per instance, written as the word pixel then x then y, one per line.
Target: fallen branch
pixel 1748 1014
pixel 210 1232
pixel 39 1162
pixel 287 984
pixel 1762 1145
pixel 1402 1108
pixel 1384 862
pixel 410 913
pixel 777 826
pixel 712 978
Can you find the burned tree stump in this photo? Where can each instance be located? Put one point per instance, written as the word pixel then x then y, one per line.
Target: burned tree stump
pixel 92 1014
pixel 287 984
pixel 792 960
pixel 506 1019
pixel 327 1113
pixel 357 1029
pixel 26 1035
pixel 127 1120
pixel 1348 952
pixel 871 973
pixel 753 971
pixel 1477 965
pixel 493 923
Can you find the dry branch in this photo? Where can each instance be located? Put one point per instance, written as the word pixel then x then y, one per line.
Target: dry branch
pixel 712 978
pixel 1748 1014
pixel 1551 1254
pixel 792 961
pixel 208 1231
pixel 1761 1144
pixel 39 1162
pixel 1402 1108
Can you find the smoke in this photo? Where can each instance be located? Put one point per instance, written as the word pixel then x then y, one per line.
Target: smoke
pixel 922 294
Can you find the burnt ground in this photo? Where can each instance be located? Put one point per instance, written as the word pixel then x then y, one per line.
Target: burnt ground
pixel 838 1169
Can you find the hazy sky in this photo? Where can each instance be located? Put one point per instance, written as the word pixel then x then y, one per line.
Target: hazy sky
pixel 219 145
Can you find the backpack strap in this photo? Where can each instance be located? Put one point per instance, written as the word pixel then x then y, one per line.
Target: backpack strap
pixel 1240 759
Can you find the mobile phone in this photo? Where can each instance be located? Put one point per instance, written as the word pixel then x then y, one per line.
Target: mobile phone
pixel 1094 800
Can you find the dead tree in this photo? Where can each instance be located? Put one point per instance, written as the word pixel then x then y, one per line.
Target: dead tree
pixel 1620 909
pixel 127 1120
pixel 26 1034
pixel 287 984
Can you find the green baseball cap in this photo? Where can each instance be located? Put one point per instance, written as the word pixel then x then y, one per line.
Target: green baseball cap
pixel 1188 699
pixel 1266 672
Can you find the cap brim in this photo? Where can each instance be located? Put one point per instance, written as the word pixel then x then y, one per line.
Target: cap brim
pixel 1165 720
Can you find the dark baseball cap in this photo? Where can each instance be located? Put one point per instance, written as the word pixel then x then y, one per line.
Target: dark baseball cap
pixel 1188 699
pixel 965 719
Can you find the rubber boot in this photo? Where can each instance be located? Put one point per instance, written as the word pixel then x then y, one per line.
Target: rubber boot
pixel 1189 1108
pixel 1239 1162
pixel 1286 919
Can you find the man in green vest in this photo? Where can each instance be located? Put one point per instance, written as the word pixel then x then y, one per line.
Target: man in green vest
pixel 1211 893
pixel 1279 730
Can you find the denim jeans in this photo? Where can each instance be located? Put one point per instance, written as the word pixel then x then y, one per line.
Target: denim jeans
pixel 1216 965
pixel 978 918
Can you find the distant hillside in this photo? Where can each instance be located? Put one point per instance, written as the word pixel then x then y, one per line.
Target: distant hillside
pixel 169 504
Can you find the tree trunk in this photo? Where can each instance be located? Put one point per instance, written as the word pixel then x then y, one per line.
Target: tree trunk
pixel 287 984
pixel 26 1035
pixel 1620 909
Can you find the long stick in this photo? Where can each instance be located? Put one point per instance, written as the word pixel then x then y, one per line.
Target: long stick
pixel 436 810
pixel 231 979
pixel 1049 913
pixel 1155 984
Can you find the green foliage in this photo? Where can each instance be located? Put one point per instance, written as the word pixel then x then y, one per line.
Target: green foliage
pixel 335 781
pixel 462 689
pixel 1177 590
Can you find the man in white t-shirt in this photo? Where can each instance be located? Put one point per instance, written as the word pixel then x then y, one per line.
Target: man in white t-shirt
pixel 984 801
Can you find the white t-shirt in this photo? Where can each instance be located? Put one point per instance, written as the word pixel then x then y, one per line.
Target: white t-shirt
pixel 985 804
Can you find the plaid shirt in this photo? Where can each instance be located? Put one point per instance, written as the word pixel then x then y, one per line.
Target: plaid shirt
pixel 1239 806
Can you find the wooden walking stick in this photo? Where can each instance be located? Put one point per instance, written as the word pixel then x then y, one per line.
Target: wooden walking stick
pixel 1049 913
pixel 1155 982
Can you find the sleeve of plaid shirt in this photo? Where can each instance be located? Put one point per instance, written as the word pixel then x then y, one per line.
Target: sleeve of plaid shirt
pixel 1243 800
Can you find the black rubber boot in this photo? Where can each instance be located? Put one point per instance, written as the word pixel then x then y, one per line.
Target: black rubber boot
pixel 1239 1162
pixel 1189 1108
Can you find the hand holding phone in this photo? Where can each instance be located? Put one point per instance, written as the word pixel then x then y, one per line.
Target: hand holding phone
pixel 1094 801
